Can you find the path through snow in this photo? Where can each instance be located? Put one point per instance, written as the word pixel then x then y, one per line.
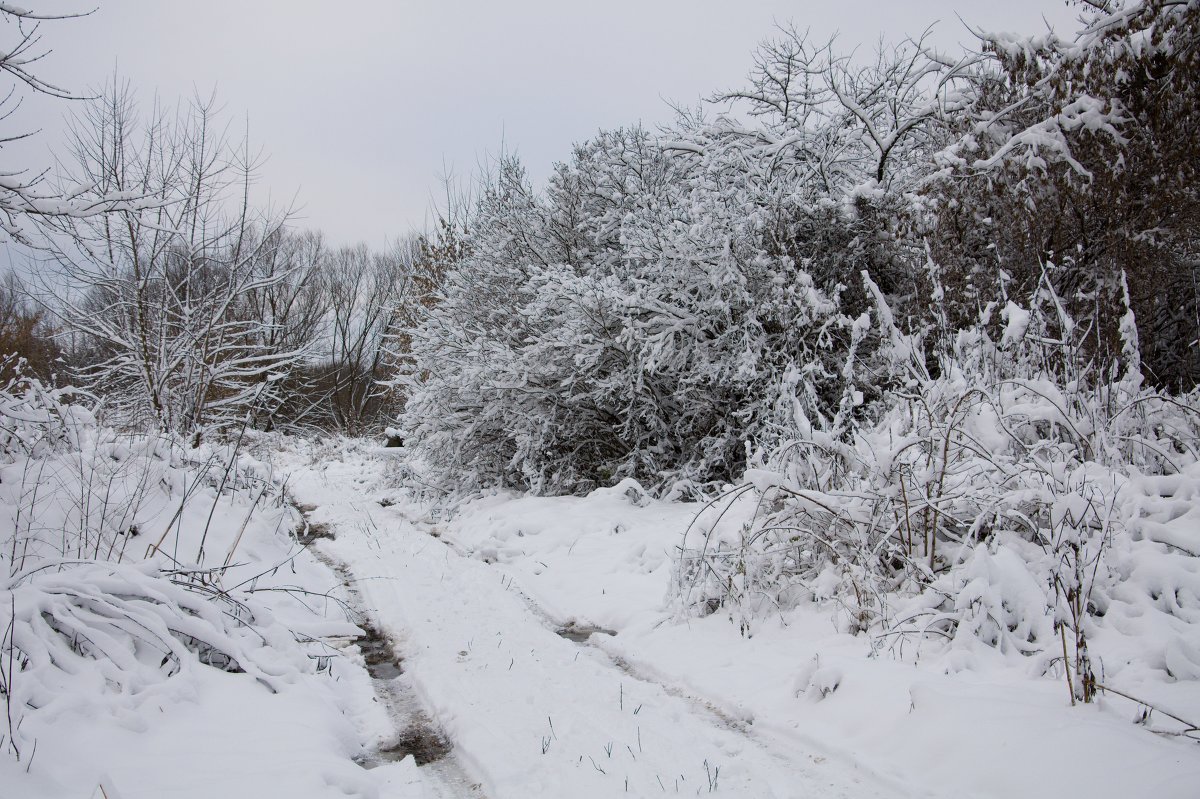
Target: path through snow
pixel 532 713
pixel 440 776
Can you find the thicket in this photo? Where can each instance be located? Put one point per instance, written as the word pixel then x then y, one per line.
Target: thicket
pixel 925 326
pixel 658 307
pixel 670 302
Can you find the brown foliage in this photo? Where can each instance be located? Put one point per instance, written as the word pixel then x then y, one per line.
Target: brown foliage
pixel 24 334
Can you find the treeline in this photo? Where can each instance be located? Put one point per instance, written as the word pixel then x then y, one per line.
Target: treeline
pixel 671 303
pixel 190 311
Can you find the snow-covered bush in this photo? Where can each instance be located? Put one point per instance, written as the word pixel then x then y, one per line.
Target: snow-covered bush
pixel 1004 494
pixel 641 316
pixel 636 321
pixel 113 635
pixel 130 561
pixel 36 419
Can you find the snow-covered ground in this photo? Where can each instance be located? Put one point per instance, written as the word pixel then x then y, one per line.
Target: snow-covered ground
pixel 114 620
pixel 491 611
pixel 522 647
pixel 532 712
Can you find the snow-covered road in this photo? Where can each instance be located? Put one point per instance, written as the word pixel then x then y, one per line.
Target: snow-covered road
pixel 529 712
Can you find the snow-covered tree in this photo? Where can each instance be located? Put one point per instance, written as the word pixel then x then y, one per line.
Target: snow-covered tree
pixel 158 291
pixel 635 320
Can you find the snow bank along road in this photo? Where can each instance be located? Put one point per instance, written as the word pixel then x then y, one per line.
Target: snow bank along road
pixel 530 712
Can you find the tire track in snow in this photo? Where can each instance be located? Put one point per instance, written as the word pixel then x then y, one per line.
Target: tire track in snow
pixel 775 740
pixel 537 715
pixel 442 775
pixel 563 628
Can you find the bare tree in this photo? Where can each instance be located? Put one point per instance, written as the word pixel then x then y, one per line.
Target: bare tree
pixel 158 291
pixel 369 295
pixel 833 122
pixel 24 195
pixel 292 301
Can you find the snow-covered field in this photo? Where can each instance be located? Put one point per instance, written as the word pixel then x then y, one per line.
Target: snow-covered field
pixel 521 647
pixel 902 350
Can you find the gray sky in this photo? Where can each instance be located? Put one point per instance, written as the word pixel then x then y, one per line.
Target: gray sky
pixel 359 103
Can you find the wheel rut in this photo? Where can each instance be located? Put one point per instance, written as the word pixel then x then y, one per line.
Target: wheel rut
pixel 415 734
pixel 537 705
pixel 593 638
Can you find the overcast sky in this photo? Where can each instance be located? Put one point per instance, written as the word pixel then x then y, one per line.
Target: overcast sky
pixel 360 103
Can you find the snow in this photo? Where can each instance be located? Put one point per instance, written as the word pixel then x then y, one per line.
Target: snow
pixel 230 738
pixel 788 706
pixel 544 639
pixel 533 713
pixel 1016 324
pixel 814 544
pixel 140 670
